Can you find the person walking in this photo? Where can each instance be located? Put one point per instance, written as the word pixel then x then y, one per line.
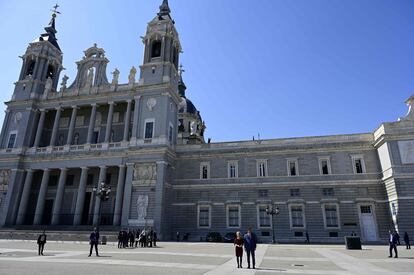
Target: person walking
pixel 393 244
pixel 250 243
pixel 407 241
pixel 307 237
pixel 93 241
pixel 178 236
pixel 398 237
pixel 238 243
pixel 41 240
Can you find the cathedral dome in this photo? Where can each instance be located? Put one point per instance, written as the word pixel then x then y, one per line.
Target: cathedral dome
pixel 186 106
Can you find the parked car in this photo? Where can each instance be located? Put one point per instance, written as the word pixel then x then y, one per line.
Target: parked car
pixel 214 237
pixel 229 237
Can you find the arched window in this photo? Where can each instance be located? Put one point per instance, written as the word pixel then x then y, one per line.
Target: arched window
pixel 50 72
pixel 156 49
pixel 30 68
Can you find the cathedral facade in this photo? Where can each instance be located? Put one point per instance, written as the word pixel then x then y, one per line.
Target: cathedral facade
pixel 145 139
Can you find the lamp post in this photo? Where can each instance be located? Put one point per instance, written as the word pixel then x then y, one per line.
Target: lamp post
pixel 102 193
pixel 272 212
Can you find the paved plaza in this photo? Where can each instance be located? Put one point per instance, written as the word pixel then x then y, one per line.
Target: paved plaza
pixel 20 257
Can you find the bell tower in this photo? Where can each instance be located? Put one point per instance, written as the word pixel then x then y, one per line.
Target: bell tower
pixel 162 50
pixel 42 64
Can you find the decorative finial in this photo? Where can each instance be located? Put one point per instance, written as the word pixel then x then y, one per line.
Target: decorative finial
pixel 54 12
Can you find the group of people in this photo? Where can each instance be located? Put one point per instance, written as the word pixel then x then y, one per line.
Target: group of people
pixel 394 241
pixel 249 243
pixel 131 238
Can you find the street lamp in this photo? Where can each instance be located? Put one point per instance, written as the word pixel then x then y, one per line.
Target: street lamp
pixel 102 193
pixel 272 212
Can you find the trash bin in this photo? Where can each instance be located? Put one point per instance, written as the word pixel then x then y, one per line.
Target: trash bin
pixel 103 240
pixel 353 242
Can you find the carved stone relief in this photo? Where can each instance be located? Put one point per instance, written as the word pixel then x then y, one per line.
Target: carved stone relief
pixel 145 173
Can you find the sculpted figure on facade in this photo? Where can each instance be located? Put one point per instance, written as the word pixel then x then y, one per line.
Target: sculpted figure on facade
pixel 115 78
pixel 64 83
pixel 48 87
pixel 131 77
pixel 89 78
pixel 142 206
pixel 193 127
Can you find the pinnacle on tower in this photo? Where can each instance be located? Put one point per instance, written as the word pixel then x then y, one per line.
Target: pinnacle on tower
pixel 51 31
pixel 164 8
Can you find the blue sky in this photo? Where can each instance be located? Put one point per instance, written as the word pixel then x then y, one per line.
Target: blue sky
pixel 281 68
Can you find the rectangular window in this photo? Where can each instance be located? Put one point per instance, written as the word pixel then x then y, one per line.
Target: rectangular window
pixel 69 180
pixel 324 166
pixel 233 216
pixel 204 170
pixel 149 130
pixel 204 216
pixel 53 180
pixel 261 168
pixel 89 180
pixel 365 209
pixel 264 218
pixel 328 192
pixel 296 214
pixel 263 193
pixel 331 215
pixel 12 140
pixel 358 164
pixel 232 167
pixel 292 166
pixel 115 117
pixel 295 192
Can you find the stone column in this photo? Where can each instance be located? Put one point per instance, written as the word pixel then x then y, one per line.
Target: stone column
pixel 102 178
pixel 9 203
pixel 126 202
pixel 55 127
pixel 40 128
pixel 57 204
pixel 80 200
pixel 21 216
pixel 3 129
pixel 109 122
pixel 127 119
pixel 91 123
pixel 40 206
pixel 119 195
pixel 72 125
pixel 135 120
pixel 159 197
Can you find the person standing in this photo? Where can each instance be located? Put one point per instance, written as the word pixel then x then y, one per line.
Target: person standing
pixel 407 241
pixel 238 243
pixel 307 237
pixel 131 237
pixel 155 238
pixel 250 243
pixel 41 240
pixel 137 233
pixel 93 241
pixel 120 239
pixel 393 244
pixel 178 236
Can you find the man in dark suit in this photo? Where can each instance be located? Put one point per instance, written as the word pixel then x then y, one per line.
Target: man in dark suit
pixel 93 241
pixel 250 243
pixel 41 240
pixel 393 244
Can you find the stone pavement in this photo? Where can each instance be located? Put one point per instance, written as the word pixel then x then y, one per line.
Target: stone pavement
pixel 20 257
